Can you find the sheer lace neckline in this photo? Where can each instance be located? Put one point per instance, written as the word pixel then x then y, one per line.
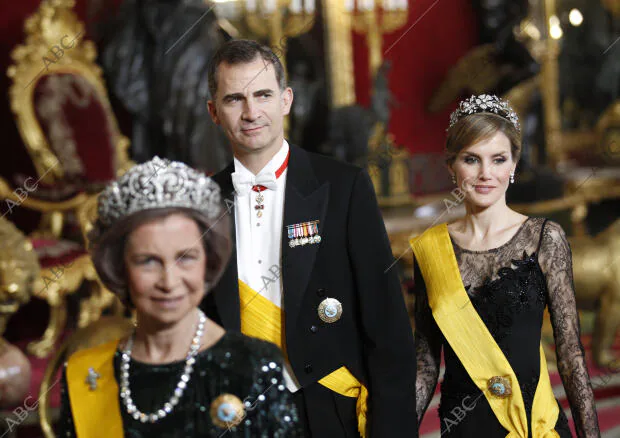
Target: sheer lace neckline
pixel 491 250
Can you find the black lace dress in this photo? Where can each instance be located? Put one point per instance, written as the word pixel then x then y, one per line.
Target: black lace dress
pixel 249 368
pixel 509 287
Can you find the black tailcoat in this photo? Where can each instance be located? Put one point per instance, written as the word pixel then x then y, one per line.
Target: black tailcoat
pixel 373 338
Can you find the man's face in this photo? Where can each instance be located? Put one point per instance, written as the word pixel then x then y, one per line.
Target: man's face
pixel 250 106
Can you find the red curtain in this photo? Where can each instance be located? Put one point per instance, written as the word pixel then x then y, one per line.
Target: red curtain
pixel 437 34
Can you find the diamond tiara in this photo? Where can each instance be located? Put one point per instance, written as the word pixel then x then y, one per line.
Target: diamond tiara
pixel 485 103
pixel 158 183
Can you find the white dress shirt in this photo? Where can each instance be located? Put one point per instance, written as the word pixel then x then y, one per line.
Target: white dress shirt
pixel 259 239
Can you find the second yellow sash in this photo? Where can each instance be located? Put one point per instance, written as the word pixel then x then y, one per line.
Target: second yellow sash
pixel 260 318
pixel 473 343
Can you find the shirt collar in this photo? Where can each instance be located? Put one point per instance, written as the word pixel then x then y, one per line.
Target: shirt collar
pixel 273 164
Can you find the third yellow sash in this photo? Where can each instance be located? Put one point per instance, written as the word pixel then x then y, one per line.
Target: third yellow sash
pixel 473 343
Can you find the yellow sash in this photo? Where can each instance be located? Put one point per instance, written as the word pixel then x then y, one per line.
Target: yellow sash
pixel 260 318
pixel 96 414
pixel 473 344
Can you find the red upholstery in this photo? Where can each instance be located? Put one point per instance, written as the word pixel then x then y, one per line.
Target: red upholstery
pixel 56 192
pixel 77 128
pixel 53 252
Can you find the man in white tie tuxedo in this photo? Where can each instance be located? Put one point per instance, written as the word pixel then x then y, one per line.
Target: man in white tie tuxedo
pixel 308 270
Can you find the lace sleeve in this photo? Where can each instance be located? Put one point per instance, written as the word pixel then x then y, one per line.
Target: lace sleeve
pixel 428 346
pixel 556 262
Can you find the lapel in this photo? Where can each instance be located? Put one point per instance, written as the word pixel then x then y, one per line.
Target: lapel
pixel 226 293
pixel 305 200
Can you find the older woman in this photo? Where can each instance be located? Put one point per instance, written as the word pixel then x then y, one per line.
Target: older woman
pixel 161 242
pixel 483 283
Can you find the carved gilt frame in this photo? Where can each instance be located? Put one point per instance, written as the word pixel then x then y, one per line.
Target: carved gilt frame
pixel 54 46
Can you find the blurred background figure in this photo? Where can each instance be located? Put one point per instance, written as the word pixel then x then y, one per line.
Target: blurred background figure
pixel 155 59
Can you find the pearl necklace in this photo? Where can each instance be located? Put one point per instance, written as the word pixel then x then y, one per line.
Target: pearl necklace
pixel 180 388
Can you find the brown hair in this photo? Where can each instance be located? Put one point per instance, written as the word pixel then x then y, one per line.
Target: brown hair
pixel 107 246
pixel 243 52
pixel 477 127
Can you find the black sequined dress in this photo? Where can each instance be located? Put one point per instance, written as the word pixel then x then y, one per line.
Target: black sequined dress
pixel 246 367
pixel 509 287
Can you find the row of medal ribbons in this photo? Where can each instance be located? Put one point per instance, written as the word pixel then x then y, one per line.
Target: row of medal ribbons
pixel 303 233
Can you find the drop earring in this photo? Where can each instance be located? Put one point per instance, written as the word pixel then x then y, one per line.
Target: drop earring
pixel 512 177
pixel 453 179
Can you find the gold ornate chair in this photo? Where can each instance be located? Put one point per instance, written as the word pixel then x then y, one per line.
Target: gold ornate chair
pixel 62 108
pixel 19 271
pixel 62 267
pixel 64 116
pixel 21 277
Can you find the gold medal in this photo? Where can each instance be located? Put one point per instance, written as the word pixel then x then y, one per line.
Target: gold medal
pixel 330 310
pixel 227 411
pixel 499 386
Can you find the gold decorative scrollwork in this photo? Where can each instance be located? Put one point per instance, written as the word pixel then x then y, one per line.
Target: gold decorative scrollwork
pixel 19 269
pixel 55 45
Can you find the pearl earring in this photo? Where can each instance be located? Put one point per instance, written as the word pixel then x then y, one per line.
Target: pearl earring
pixel 512 176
